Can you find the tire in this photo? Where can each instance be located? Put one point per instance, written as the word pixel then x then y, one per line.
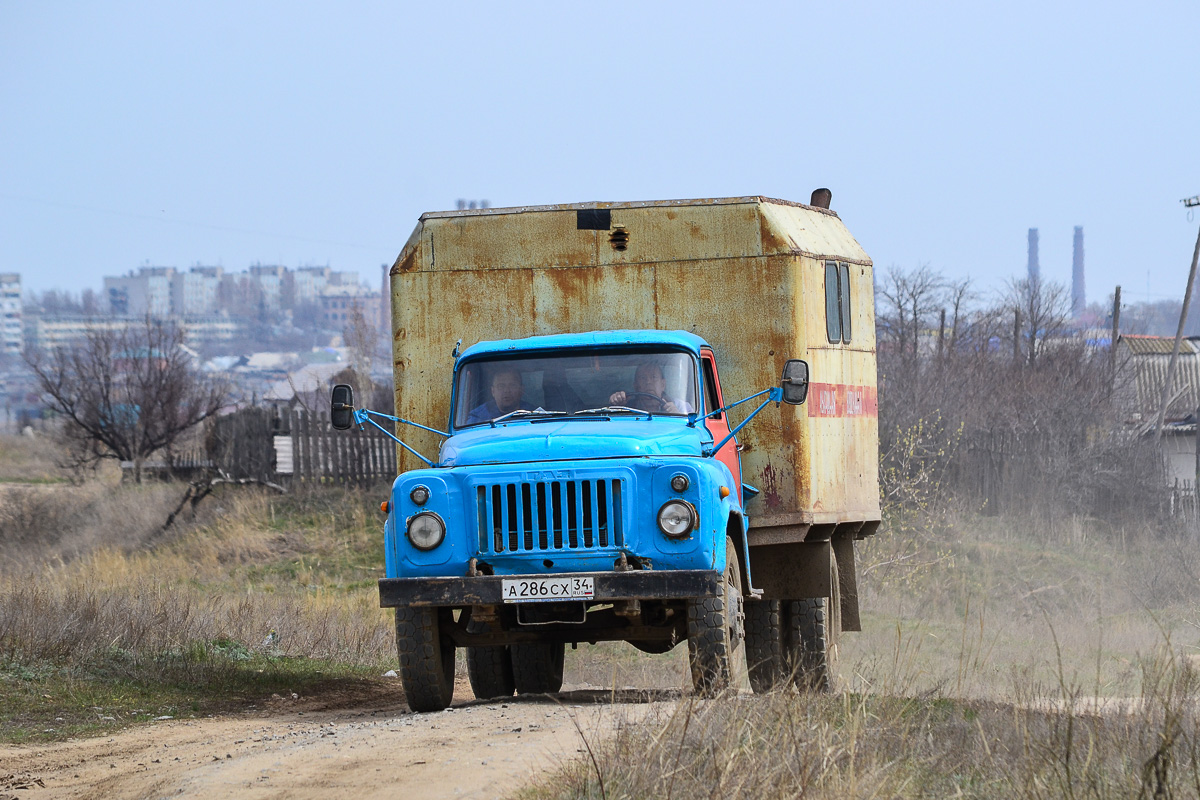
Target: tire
pixel 814 626
pixel 716 631
pixel 489 668
pixel 538 667
pixel 766 651
pixel 426 657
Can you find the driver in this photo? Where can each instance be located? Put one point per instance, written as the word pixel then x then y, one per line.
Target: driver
pixel 506 397
pixel 650 393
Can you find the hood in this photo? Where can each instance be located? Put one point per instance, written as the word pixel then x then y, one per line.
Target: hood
pixel 556 440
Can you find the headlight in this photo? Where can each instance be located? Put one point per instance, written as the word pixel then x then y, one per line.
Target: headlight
pixel 419 495
pixel 679 483
pixel 426 530
pixel 676 518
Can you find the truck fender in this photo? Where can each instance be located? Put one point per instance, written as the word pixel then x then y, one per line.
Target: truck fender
pixel 735 529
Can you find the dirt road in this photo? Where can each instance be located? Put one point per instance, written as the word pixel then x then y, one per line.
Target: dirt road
pixel 329 746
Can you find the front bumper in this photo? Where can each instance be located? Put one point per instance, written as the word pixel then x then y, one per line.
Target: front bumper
pixel 485 590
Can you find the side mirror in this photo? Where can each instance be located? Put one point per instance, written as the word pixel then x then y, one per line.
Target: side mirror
pixel 795 381
pixel 341 407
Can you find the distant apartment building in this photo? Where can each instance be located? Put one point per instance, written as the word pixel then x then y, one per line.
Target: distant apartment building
pixel 12 335
pixel 269 281
pixel 260 291
pixel 48 333
pixel 145 292
pixel 196 293
pixel 307 283
pixel 338 302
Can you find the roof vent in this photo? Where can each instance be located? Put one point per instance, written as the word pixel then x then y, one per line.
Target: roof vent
pixel 821 198
pixel 619 238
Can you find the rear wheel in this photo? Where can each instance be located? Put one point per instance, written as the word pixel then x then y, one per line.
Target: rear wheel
pixel 537 667
pixel 716 630
pixel 426 656
pixel 814 626
pixel 766 652
pixel 489 668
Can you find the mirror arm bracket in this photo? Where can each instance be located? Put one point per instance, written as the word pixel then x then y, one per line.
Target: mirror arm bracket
pixel 694 418
pixel 774 395
pixel 363 416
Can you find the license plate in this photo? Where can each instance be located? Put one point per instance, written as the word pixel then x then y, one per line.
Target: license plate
pixel 535 590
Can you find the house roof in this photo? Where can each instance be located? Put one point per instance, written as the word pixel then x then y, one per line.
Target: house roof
pixel 307 379
pixel 1149 358
pixel 1155 345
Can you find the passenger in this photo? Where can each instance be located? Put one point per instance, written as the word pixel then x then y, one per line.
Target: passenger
pixel 650 393
pixel 506 397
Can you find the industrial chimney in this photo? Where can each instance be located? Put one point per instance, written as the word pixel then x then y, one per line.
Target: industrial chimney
pixel 1035 272
pixel 1078 294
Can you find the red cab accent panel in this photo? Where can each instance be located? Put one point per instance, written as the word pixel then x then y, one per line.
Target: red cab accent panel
pixel 718 426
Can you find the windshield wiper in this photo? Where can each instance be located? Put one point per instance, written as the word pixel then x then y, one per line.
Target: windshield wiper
pixel 524 412
pixel 611 409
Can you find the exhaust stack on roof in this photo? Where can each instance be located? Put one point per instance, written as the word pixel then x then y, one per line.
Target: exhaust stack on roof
pixel 821 198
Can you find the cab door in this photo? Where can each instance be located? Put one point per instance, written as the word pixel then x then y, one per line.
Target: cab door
pixel 718 425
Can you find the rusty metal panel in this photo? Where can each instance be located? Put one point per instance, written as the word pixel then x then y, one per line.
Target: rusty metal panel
pixel 806 231
pixel 681 233
pixel 733 271
pixel 843 459
pixel 589 299
pixel 430 312
pixel 510 241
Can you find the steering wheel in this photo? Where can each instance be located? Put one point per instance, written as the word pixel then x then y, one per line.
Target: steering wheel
pixel 661 403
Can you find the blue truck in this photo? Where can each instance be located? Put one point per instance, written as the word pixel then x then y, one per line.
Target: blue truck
pixel 588 479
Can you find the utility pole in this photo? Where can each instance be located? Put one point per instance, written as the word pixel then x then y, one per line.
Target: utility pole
pixel 1116 334
pixel 1017 336
pixel 1190 202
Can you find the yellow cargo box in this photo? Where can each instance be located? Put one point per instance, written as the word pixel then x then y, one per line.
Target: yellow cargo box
pixel 762 280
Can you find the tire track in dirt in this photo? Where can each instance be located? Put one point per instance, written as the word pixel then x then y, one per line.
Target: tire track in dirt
pixel 321 747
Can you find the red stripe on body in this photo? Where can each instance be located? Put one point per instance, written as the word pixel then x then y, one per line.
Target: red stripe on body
pixel 841 400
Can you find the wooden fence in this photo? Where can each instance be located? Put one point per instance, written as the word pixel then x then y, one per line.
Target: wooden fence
pixel 1183 500
pixel 318 452
pixel 1105 476
pixel 265 445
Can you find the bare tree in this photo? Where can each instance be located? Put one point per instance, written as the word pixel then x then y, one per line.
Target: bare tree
pixel 908 301
pixel 1045 308
pixel 126 393
pixel 959 296
pixel 362 337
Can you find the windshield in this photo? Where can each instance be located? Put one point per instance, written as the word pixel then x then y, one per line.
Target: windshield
pixel 627 381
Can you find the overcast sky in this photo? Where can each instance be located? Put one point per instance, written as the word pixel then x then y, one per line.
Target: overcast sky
pixel 301 133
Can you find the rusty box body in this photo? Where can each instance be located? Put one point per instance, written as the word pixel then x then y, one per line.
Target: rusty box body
pixel 748 274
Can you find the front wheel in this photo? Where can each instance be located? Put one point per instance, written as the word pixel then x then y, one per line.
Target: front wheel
pixel 426 656
pixel 716 630
pixel 489 668
pixel 537 667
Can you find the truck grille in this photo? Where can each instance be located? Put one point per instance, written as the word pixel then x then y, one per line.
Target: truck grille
pixel 549 515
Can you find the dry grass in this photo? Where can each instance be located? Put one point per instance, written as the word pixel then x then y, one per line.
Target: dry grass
pixel 786 745
pixel 249 571
pixel 30 459
pixel 100 607
pixel 998 659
